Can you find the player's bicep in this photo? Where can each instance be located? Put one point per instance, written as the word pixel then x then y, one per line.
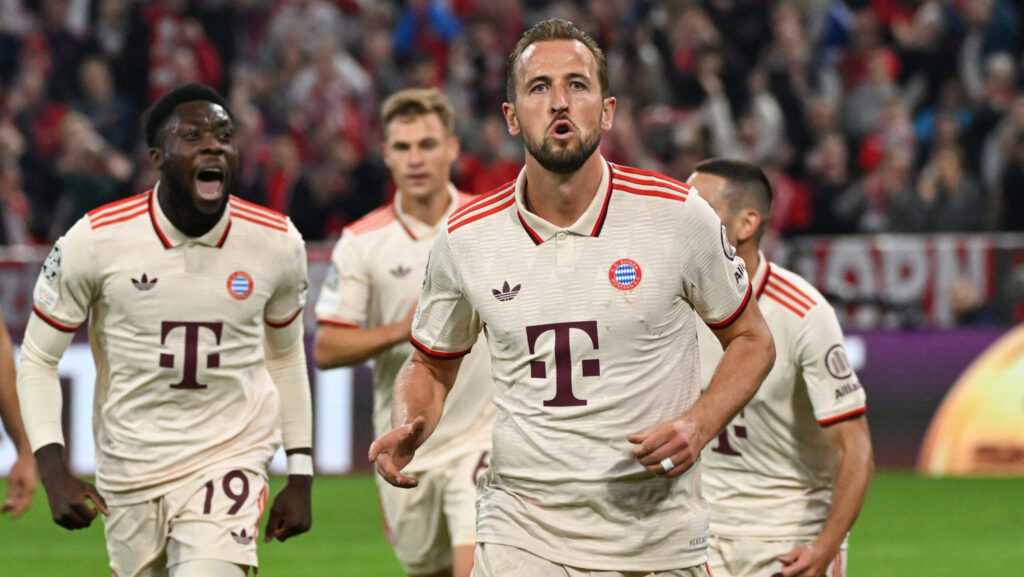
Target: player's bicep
pixel 715 280
pixel 64 289
pixel 289 297
pixel 834 390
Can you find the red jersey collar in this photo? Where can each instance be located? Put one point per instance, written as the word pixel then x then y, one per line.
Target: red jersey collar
pixel 171 237
pixel 588 224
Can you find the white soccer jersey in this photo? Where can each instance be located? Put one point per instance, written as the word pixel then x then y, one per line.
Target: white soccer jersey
pixel 769 474
pixel 592 335
pixel 176 326
pixel 375 277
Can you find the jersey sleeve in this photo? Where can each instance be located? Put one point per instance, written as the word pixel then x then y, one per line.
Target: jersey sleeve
pixel 289 296
pixel 835 392
pixel 715 279
pixel 345 297
pixel 446 324
pixel 67 282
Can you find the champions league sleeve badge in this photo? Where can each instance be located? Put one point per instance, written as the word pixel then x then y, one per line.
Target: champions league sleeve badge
pixel 624 274
pixel 51 266
pixel 727 247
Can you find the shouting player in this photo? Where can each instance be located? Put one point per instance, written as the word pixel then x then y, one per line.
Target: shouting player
pixel 787 478
pixel 365 311
pixel 585 278
pixel 193 299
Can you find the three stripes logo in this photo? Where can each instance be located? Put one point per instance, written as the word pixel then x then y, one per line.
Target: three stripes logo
pixel 624 274
pixel 506 293
pixel 144 284
pixel 240 285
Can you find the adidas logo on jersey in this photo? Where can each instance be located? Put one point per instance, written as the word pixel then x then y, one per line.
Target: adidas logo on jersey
pixel 241 537
pixel 506 293
pixel 144 284
pixel 400 271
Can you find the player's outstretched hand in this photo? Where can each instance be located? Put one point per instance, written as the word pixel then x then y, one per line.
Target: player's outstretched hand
pixel 393 451
pixel 292 511
pixel 21 485
pixel 68 495
pixel 806 561
pixel 669 448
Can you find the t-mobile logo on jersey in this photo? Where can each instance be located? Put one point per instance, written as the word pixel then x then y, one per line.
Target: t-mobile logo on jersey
pixel 189 380
pixel 564 396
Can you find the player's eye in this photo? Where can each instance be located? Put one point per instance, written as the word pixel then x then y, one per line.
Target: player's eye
pixel 538 88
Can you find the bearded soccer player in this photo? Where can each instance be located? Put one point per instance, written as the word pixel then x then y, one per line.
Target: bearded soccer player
pixel 787 478
pixel 193 299
pixel 21 479
pixel 587 279
pixel 365 311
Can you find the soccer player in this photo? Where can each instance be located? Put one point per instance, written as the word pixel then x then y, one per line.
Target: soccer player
pixel 193 299
pixel 365 311
pixel 585 278
pixel 787 478
pixel 21 479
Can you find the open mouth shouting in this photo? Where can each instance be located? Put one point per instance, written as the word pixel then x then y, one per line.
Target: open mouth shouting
pixel 210 182
pixel 562 129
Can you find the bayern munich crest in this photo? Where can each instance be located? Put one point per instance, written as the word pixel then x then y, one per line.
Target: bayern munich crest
pixel 240 285
pixel 624 274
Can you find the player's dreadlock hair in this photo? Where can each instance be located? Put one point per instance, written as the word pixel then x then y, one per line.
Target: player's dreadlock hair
pixel 553 29
pixel 417 102
pixel 163 108
pixel 747 186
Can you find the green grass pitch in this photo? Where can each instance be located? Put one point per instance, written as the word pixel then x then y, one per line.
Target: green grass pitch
pixel 910 526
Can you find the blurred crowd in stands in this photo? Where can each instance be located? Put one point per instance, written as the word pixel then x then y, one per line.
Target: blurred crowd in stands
pixel 868 115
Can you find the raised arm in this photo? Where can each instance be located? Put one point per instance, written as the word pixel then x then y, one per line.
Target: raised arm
pixel 420 391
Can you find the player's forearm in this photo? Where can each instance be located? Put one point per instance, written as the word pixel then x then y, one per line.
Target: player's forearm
pixel 39 393
pixel 748 358
pixel 420 391
pixel 853 476
pixel 10 412
pixel 344 346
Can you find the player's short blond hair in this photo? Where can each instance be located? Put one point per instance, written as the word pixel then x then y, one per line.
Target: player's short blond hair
pixel 550 30
pixel 413 102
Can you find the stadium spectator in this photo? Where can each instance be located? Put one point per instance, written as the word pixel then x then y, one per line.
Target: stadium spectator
pixel 806 421
pixel 182 440
pixel 946 198
pixel 525 264
pixel 366 310
pixel 21 479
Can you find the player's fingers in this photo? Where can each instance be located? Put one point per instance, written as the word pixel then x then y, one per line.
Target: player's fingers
pixel 16 505
pixel 270 531
pixel 71 518
pixel 98 500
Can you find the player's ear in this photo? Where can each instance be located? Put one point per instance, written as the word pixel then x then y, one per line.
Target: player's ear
pixel 156 156
pixel 511 119
pixel 454 147
pixel 607 113
pixel 749 221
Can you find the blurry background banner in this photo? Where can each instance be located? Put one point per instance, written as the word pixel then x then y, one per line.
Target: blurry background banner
pixel 979 428
pixel 917 310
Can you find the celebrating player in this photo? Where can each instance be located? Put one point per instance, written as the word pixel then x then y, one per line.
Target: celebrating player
pixel 787 478
pixel 21 480
pixel 193 300
pixel 365 311
pixel 584 277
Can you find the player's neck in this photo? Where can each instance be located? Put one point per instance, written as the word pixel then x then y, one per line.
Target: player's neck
pixel 427 209
pixel 751 256
pixel 178 209
pixel 561 198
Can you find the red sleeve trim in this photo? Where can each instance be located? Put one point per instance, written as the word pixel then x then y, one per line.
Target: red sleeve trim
pixel 844 417
pixel 735 315
pixel 282 324
pixel 437 354
pixel 53 323
pixel 335 323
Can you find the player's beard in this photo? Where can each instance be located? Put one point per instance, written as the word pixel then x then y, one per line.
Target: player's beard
pixel 567 160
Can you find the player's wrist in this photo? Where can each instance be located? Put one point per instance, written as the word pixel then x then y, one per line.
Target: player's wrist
pixel 300 464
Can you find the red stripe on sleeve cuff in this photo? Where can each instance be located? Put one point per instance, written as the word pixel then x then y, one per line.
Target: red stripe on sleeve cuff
pixel 844 417
pixel 52 322
pixel 332 322
pixel 437 354
pixel 284 323
pixel 735 315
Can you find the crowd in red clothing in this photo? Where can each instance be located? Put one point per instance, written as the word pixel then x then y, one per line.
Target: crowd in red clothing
pixel 868 115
